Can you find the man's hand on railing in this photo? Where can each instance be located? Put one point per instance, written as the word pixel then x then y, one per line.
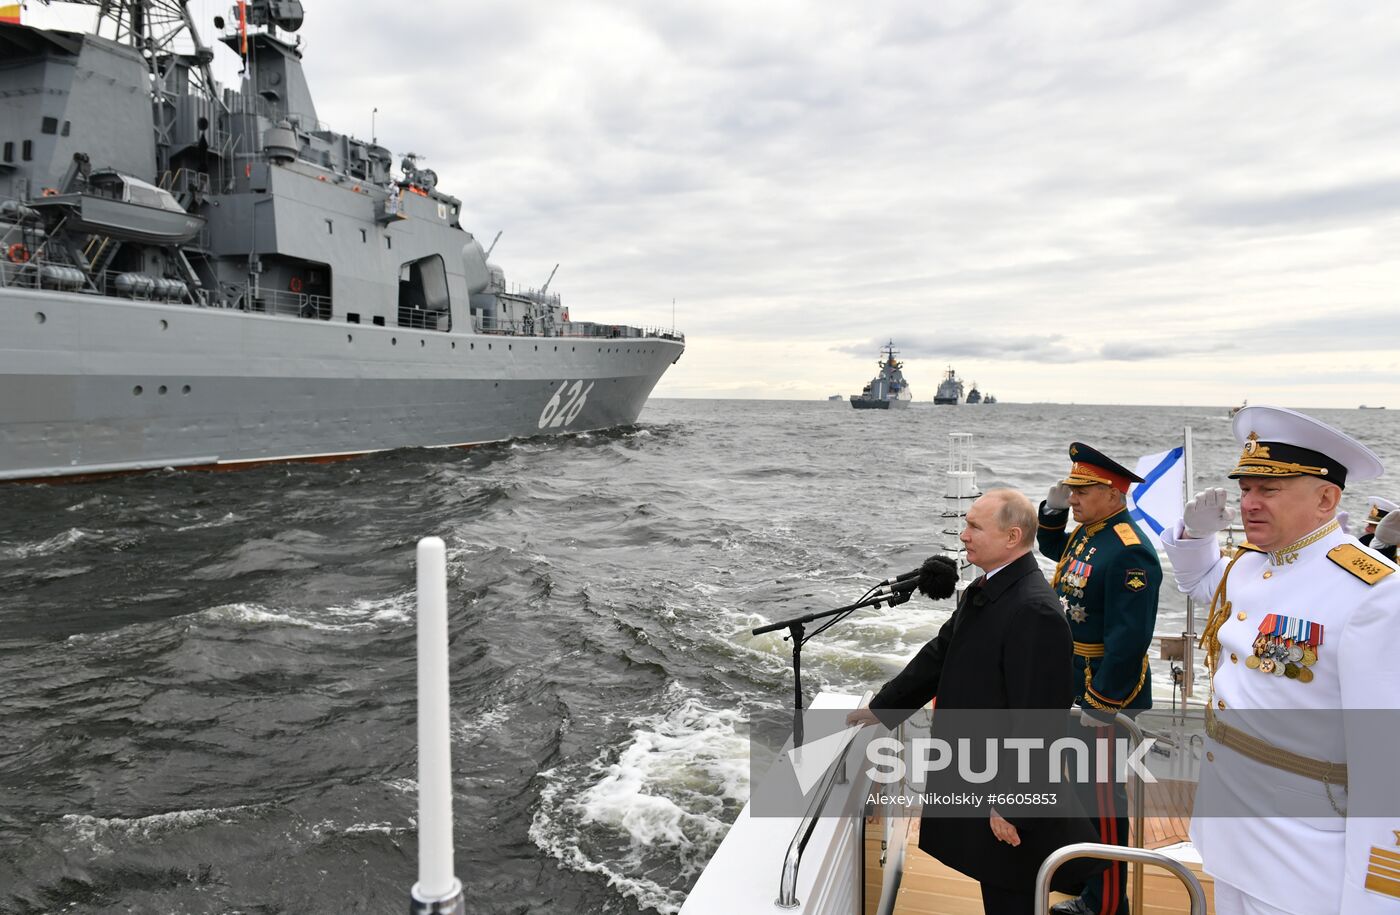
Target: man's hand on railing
pixel 1003 830
pixel 863 717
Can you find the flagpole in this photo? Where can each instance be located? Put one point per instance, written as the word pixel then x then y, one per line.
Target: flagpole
pixel 1188 657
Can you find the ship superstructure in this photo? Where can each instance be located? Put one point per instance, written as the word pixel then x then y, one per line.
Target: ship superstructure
pixel 888 389
pixel 194 276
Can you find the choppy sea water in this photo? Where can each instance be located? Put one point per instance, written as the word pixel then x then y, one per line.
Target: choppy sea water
pixel 209 679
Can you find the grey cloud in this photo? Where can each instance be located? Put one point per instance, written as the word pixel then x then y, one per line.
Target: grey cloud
pixel 1354 201
pixel 1054 348
pixel 1134 351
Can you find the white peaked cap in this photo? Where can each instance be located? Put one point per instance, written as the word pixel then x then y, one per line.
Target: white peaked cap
pixel 1379 508
pixel 1302 446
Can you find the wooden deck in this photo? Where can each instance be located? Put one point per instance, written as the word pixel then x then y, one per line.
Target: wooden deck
pixel 930 888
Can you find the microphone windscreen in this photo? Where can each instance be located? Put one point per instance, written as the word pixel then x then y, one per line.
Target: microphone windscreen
pixel 938 577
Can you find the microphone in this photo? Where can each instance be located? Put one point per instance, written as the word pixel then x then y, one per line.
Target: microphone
pixel 905 582
pixel 936 579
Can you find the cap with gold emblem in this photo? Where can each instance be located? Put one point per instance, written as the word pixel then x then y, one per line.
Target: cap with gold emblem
pixel 1285 443
pixel 1092 467
pixel 1379 509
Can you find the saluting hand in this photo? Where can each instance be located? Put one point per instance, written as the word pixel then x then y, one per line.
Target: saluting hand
pixel 1058 497
pixel 1387 532
pixel 1207 514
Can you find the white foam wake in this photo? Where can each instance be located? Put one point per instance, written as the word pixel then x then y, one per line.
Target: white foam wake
pixel 663 798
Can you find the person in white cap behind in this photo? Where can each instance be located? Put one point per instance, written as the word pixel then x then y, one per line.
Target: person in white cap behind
pixel 1386 540
pixel 1296 810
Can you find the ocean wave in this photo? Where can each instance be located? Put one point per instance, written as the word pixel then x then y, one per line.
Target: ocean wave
pixel 363 614
pixel 55 544
pixel 667 796
pixel 94 833
pixel 223 521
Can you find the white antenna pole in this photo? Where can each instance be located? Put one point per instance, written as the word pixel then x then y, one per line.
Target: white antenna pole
pixel 438 890
pixel 1188 656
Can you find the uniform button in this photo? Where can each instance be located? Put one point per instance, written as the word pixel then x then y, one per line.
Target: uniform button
pixel 1243 615
pixel 1220 703
pixel 1269 574
pixel 1234 658
pixel 1210 757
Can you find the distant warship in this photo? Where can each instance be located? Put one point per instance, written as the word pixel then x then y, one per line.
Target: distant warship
pixel 887 389
pixel 950 389
pixel 976 396
pixel 193 276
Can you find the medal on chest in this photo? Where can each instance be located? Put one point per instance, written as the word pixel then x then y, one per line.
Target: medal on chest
pixel 1286 646
pixel 1076 576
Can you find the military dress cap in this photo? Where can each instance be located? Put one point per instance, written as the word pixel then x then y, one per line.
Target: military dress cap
pixel 1092 467
pixel 1285 443
pixel 1379 509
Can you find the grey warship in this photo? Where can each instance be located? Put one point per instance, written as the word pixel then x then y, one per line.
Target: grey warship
pixel 196 276
pixel 888 389
pixel 950 389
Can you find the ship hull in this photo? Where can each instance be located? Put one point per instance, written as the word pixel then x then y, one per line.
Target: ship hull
pixel 868 404
pixel 92 386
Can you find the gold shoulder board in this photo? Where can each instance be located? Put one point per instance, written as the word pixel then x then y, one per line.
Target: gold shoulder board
pixel 1126 534
pixel 1359 563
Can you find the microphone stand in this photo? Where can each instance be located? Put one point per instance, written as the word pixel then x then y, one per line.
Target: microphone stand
pixel 797 632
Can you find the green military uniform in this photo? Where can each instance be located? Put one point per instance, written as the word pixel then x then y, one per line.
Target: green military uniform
pixel 1107 577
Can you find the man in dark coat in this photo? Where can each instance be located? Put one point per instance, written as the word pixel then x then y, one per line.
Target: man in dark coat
pixel 1006 647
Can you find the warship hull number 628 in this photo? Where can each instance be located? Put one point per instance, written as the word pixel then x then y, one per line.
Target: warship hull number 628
pixel 193 276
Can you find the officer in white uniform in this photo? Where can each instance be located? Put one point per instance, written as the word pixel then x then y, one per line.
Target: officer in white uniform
pixel 1298 806
pixel 1382 541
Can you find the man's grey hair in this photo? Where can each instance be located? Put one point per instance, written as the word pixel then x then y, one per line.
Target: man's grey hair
pixel 1015 510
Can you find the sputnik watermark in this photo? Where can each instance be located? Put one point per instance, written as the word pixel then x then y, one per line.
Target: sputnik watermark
pixel 934 754
pixel 926 755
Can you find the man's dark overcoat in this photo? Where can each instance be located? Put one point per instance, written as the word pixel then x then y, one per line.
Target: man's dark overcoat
pixel 1006 647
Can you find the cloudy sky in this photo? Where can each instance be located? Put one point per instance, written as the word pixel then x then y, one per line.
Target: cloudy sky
pixel 1146 202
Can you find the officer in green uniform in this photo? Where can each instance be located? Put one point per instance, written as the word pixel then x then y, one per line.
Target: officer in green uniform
pixel 1107 577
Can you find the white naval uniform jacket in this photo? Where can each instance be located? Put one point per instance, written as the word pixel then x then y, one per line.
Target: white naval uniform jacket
pixel 1302 857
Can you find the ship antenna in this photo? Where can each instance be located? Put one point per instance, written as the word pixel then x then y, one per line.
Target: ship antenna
pixel 499 233
pixel 545 287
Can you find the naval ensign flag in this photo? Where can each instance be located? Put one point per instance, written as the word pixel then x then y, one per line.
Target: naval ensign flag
pixel 1157 502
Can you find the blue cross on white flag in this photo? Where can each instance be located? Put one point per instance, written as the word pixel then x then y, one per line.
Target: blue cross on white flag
pixel 1156 503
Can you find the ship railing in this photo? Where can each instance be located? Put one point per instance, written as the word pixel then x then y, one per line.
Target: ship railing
pixel 835 774
pixel 548 327
pixel 289 304
pixel 16 274
pixel 184 181
pixel 1137 856
pixel 610 331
